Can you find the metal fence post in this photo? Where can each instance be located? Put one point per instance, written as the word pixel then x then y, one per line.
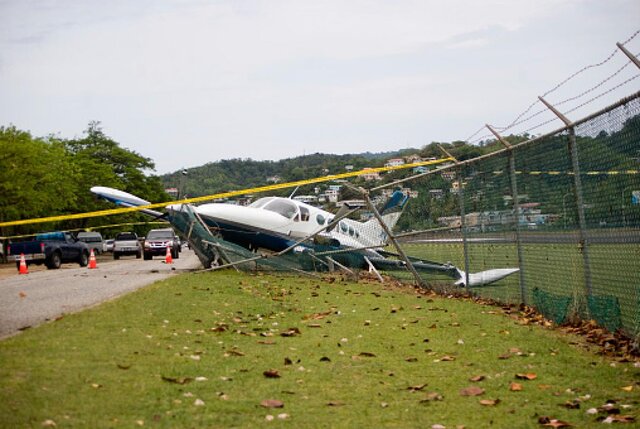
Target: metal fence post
pixel 463 220
pixel 393 240
pixel 463 227
pixel 577 183
pixel 516 211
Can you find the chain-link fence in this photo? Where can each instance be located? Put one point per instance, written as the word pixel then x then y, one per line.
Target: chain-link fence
pixel 563 208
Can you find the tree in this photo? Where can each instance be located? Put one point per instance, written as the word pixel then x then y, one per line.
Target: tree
pixel 37 177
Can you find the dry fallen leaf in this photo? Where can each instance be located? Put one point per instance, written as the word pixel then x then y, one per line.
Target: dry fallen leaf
pixel 489 402
pixel 619 419
pixel 553 423
pixel 572 404
pixel 177 380
pixel 291 332
pixel 271 373
pixel 515 387
pixel 417 387
pixel 627 388
pixel 367 354
pixel 432 396
pixel 335 403
pixel 472 391
pixel 477 378
pixel 272 403
pixel 527 376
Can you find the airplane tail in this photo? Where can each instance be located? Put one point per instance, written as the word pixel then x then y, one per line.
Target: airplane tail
pixel 390 213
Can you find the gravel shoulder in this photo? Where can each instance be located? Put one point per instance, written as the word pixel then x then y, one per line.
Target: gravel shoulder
pixel 42 295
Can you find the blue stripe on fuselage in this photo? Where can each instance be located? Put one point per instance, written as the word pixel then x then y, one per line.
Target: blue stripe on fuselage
pixel 249 237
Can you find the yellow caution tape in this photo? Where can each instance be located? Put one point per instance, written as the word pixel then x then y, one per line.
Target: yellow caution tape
pixel 113 225
pixel 260 189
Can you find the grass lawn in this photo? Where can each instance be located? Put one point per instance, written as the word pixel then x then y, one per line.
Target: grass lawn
pixel 205 350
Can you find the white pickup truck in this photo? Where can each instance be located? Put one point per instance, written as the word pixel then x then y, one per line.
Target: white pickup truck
pixel 126 243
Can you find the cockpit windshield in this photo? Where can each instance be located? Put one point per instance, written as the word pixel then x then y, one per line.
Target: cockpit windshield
pixel 283 207
pixel 261 202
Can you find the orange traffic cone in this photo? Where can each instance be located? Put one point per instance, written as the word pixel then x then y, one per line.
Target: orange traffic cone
pixel 23 265
pixel 168 259
pixel 92 260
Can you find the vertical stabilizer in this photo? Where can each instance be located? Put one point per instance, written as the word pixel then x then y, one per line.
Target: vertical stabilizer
pixel 390 213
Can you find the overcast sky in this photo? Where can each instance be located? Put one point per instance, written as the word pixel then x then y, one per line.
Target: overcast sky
pixel 194 81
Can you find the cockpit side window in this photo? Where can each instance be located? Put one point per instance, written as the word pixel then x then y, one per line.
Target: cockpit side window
pixel 304 214
pixel 285 208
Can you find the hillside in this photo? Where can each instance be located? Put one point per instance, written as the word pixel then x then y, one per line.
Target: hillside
pixel 233 174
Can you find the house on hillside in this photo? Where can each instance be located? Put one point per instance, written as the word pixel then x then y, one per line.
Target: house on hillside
pixel 413 158
pixel 394 162
pixel 370 175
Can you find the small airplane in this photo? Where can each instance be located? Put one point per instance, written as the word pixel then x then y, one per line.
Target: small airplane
pixel 277 224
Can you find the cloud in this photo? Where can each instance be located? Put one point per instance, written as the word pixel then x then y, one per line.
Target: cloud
pixel 291 74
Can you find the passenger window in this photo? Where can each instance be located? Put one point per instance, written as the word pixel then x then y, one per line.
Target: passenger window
pixel 320 219
pixel 343 227
pixel 351 231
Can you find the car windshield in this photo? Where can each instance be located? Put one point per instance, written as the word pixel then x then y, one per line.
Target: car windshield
pixel 126 236
pixel 159 234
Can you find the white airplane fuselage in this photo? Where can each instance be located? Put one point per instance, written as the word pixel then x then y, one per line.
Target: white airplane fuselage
pixel 275 223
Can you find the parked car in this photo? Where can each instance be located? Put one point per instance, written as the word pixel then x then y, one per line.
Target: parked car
pixel 157 242
pixel 126 243
pixel 52 249
pixel 108 245
pixel 93 239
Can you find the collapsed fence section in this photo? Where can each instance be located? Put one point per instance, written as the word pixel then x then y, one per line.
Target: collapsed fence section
pixel 552 222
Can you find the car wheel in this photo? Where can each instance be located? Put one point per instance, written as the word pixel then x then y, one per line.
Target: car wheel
pixel 116 256
pixel 84 259
pixel 138 255
pixel 54 261
pixel 147 256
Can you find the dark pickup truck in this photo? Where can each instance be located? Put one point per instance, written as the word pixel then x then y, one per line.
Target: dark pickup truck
pixel 51 249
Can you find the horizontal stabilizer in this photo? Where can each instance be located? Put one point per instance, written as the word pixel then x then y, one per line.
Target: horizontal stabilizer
pixel 484 278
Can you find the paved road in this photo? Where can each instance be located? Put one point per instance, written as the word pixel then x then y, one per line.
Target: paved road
pixel 29 300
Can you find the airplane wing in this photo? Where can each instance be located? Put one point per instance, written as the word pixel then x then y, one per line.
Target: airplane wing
pixel 124 199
